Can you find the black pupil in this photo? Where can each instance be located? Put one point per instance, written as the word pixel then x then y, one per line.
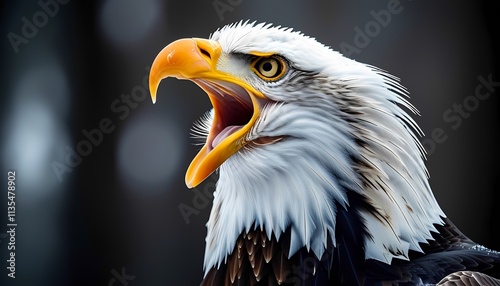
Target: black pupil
pixel 267 66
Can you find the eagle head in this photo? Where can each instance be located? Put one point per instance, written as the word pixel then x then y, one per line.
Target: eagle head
pixel 301 134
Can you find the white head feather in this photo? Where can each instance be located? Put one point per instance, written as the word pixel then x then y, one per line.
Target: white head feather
pixel 346 130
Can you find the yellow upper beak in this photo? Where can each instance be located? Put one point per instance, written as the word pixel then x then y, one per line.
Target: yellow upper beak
pixel 196 59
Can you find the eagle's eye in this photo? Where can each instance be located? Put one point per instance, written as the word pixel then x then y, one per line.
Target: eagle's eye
pixel 269 68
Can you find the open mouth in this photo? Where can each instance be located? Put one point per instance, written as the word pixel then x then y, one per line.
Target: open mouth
pixel 237 105
pixel 233 109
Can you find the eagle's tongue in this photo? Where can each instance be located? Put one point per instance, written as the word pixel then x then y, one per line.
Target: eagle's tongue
pixel 225 133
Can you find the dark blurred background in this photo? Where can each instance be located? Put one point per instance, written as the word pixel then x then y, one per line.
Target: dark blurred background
pixel 100 170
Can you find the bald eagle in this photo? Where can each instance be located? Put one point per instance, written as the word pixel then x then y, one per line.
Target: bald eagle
pixel 321 173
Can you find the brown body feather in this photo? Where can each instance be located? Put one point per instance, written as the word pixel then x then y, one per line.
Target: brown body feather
pixel 255 260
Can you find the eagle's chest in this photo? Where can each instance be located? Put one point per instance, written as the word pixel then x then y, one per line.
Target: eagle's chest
pixel 257 260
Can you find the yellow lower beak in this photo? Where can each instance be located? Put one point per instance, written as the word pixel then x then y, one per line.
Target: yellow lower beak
pixel 236 104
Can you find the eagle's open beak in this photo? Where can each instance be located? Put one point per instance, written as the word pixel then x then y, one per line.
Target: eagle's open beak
pixel 237 105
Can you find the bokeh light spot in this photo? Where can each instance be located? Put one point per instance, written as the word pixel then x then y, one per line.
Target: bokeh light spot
pixel 149 153
pixel 127 21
